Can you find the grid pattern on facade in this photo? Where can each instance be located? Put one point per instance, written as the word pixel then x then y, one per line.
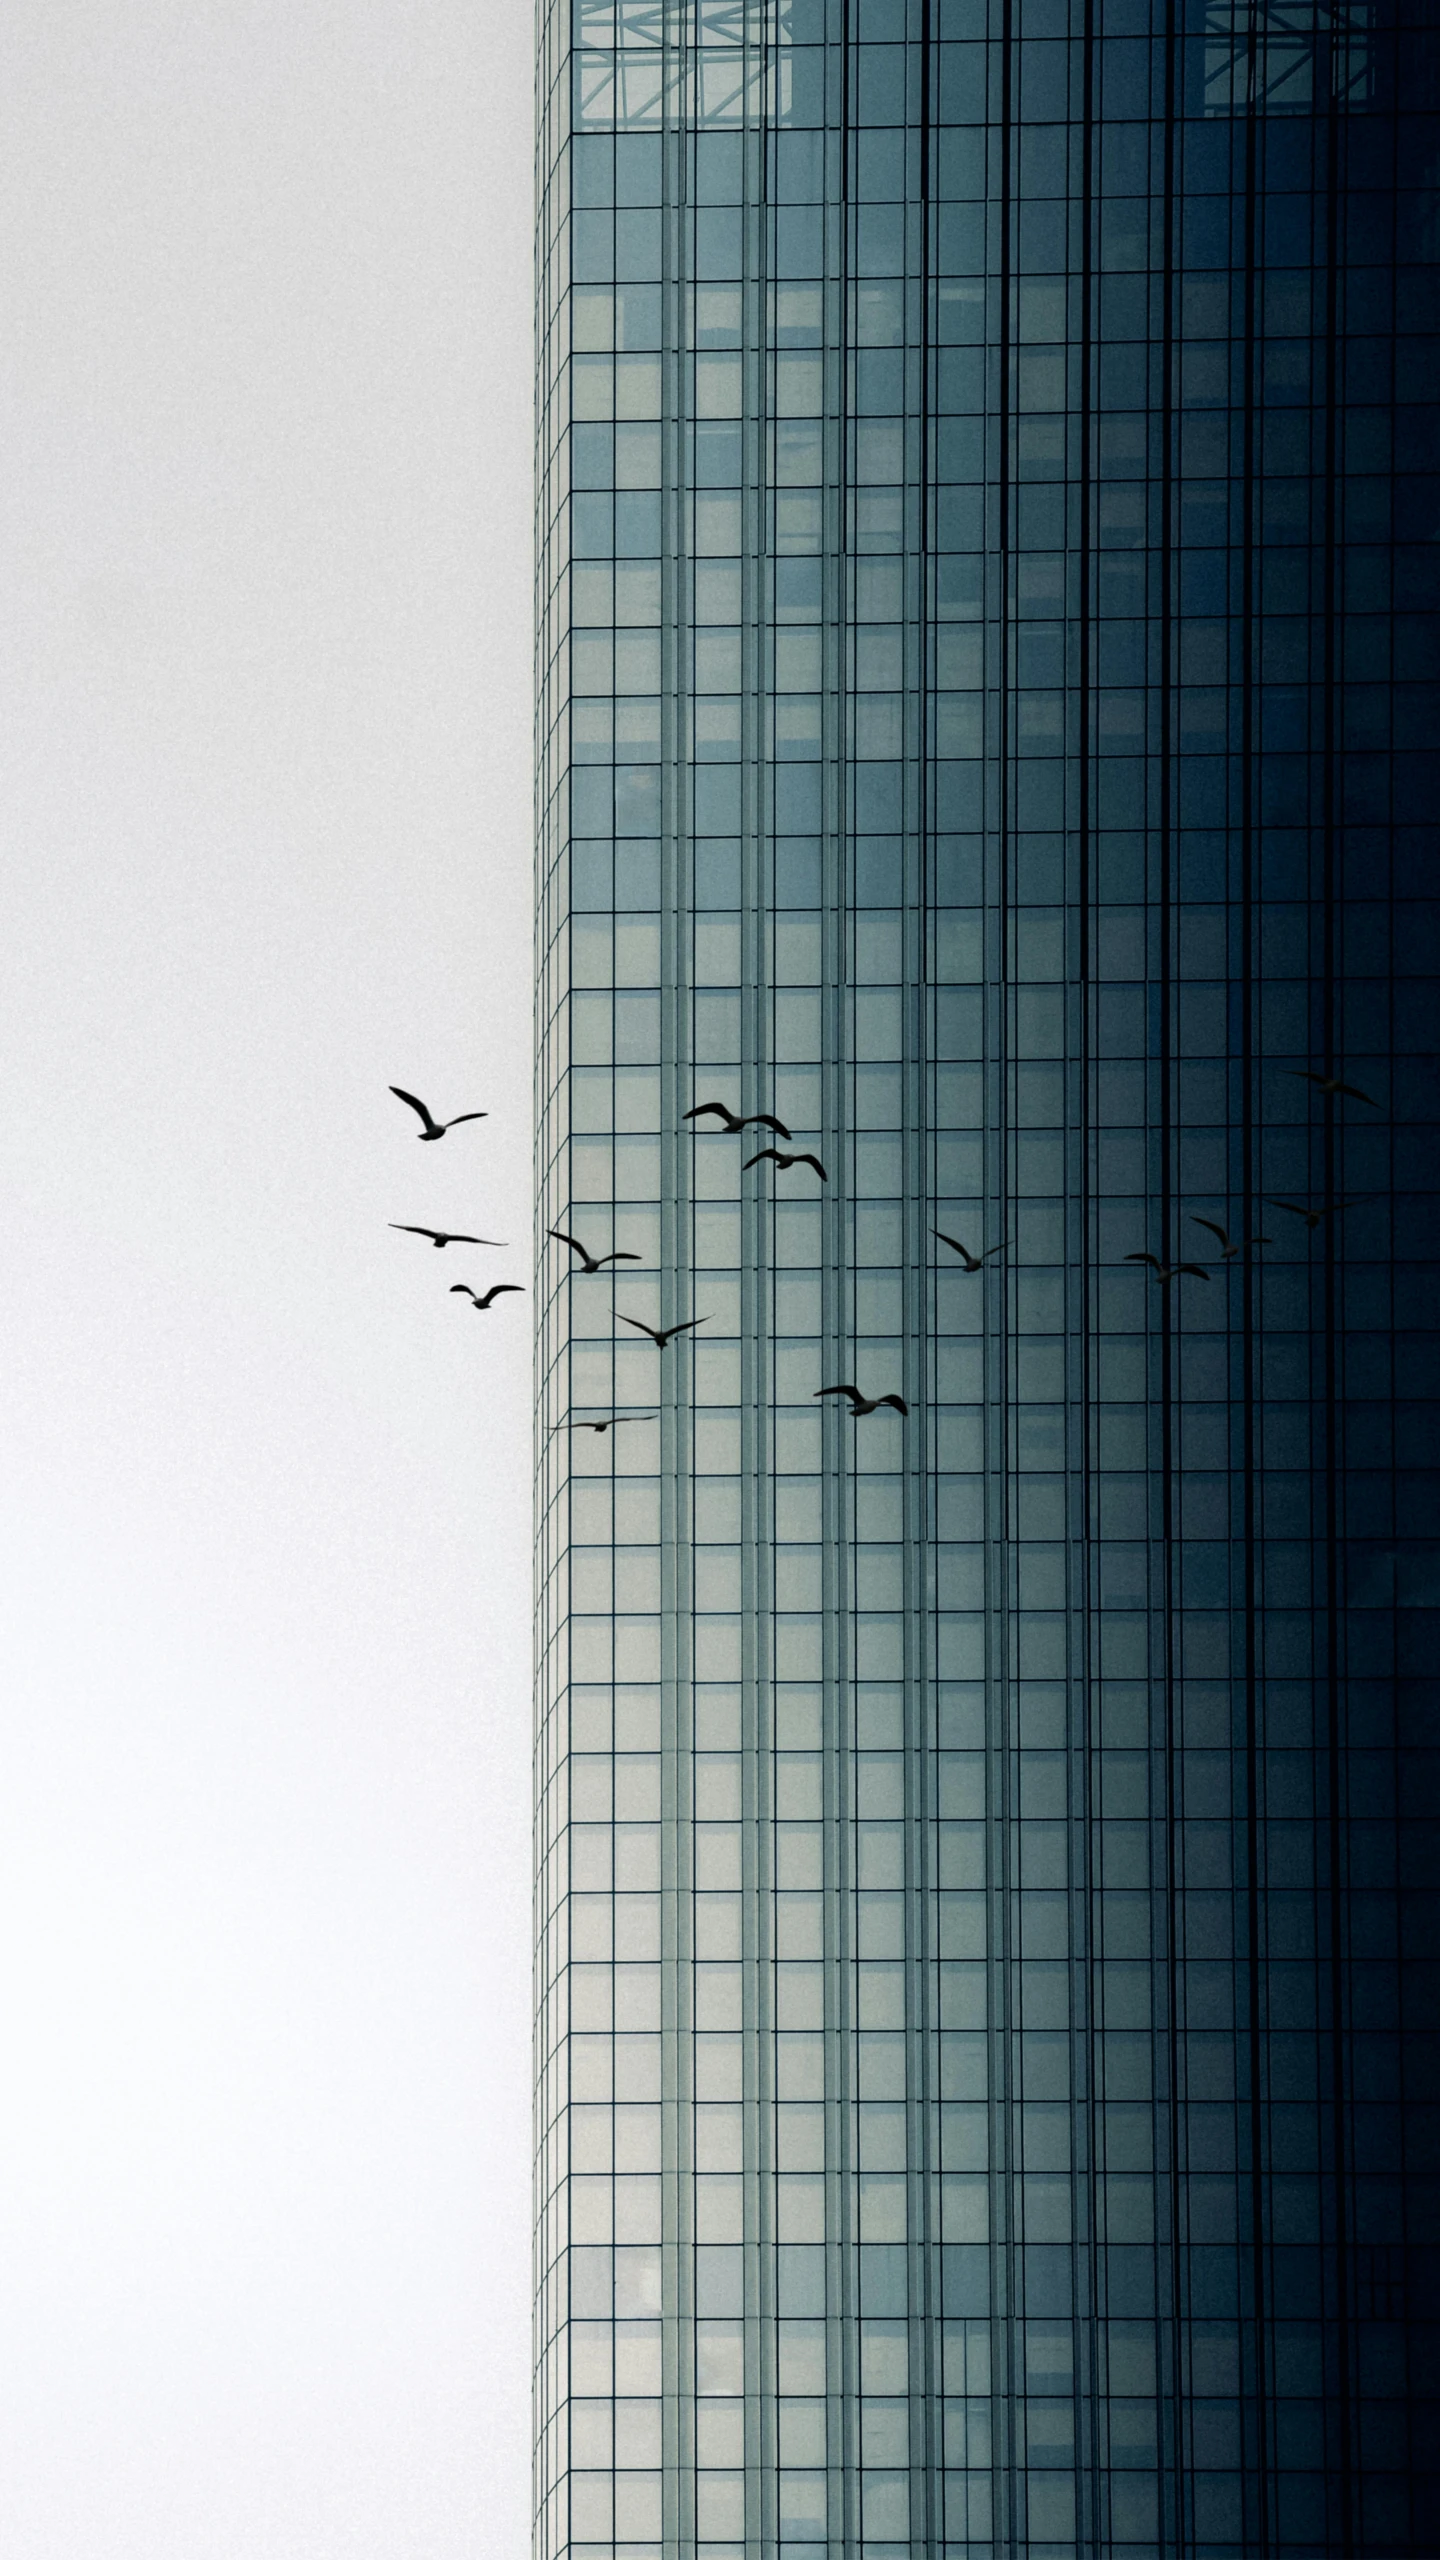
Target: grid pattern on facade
pixel 987 652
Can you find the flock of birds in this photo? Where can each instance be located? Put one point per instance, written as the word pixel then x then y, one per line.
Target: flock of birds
pixel 589 1265
pixel 733 1124
pixel 1234 1248
pixel 787 1159
pixel 430 1130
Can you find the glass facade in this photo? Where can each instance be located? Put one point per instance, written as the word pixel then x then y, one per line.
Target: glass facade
pixel 986 1908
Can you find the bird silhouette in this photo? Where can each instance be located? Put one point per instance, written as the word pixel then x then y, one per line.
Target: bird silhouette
pixel 609 1423
pixel 1313 1217
pixel 434 1128
pixel 861 1405
pixel 1195 1270
pixel 785 1162
pixel 1330 1086
pixel 441 1236
pixel 735 1121
pixel 589 1262
pixel 660 1334
pixel 972 1261
pixel 1230 1245
pixel 461 1289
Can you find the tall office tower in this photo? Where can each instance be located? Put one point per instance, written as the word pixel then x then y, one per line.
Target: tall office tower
pixel 986 1916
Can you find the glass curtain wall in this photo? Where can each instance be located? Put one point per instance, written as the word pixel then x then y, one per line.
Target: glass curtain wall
pixel 985 1909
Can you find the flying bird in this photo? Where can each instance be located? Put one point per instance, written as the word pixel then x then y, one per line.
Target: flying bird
pixel 590 1262
pixel 460 1289
pixel 861 1405
pixel 972 1261
pixel 660 1334
pixel 1330 1086
pixel 1195 1270
pixel 785 1162
pixel 434 1128
pixel 1313 1217
pixel 1230 1245
pixel 735 1121
pixel 440 1237
pixel 608 1424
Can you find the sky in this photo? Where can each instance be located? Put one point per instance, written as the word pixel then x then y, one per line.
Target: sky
pixel 265 848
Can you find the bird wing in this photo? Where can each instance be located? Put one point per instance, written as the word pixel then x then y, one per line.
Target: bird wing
pixel 415 1104
pixel 462 1289
pixel 898 1402
pixel 501 1289
pixel 689 1325
pixel 1218 1232
pixel 966 1256
pixel 1196 1270
pixel 820 1169
pixel 1333 1085
pixel 615 1257
pixel 573 1241
pixel 710 1110
pixel 1294 1207
pixel 402 1230
pixel 766 1120
pixel 1151 1258
pixel 640 1325
pixel 466 1115
pixel 990 1255
pixel 760 1158
pixel 852 1392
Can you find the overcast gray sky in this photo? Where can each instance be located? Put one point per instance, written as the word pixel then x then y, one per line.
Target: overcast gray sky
pixel 265 799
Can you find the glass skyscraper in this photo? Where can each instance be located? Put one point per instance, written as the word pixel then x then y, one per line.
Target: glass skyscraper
pixel 987 1869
